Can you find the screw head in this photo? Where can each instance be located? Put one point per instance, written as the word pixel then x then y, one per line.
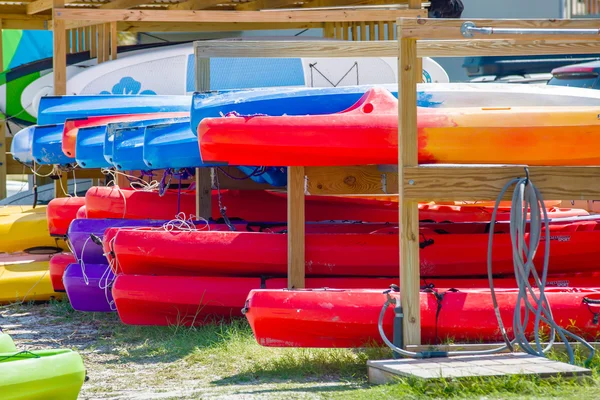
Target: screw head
pixel 411 182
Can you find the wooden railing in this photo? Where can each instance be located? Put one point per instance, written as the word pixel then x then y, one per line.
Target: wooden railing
pixel 582 8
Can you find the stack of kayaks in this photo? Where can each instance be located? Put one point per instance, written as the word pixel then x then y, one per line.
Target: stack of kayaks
pixel 39 374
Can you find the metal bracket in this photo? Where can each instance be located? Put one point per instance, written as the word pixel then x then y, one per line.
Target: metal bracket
pixel 465 29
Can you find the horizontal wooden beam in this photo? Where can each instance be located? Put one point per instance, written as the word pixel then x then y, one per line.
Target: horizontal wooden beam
pixel 228 16
pixel 262 4
pixel 207 27
pixel 450 29
pixel 122 4
pixel 504 47
pixel 195 4
pixel 14 22
pixel 294 49
pixel 364 179
pixel 469 183
pixel 39 6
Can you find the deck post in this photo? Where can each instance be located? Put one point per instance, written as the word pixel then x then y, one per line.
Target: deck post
pixel 203 175
pixel 59 61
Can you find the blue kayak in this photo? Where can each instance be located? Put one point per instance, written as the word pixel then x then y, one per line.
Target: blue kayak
pixel 89 147
pixel 274 176
pixel 56 109
pixel 128 143
pixel 20 147
pixel 46 147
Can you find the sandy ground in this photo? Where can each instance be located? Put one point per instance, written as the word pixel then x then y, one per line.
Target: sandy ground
pixel 114 374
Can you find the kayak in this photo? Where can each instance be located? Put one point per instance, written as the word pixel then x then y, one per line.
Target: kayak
pixel 82 245
pixel 89 147
pixel 73 125
pixel 28 231
pixel 57 109
pixel 46 146
pixel 20 147
pixel 185 300
pixel 41 375
pixel 257 205
pixel 329 318
pixel 61 211
pixel 88 287
pixel 57 266
pixel 367 133
pixel 6 343
pixel 25 280
pixel 128 142
pixel 447 250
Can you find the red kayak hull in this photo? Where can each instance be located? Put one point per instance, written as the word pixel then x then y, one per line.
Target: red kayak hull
pixel 448 250
pixel 258 205
pixel 348 318
pixel 61 212
pixel 58 264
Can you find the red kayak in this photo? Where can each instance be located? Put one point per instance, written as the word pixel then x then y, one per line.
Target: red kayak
pixel 367 133
pixel 168 300
pixel 58 264
pixel 259 205
pixel 447 250
pixel 348 318
pixel 60 212
pixel 72 126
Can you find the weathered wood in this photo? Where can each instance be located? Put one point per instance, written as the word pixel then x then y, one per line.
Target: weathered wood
pixel 464 182
pixel 228 16
pixel 409 211
pixel 114 40
pixel 364 179
pixel 203 193
pixel 38 6
pixel 296 49
pixel 449 29
pixel 296 229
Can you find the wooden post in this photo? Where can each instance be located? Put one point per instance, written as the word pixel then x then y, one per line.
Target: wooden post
pixel 93 41
pixel 371 30
pixel 363 31
pixel 60 72
pixel 381 30
pixel 101 43
pixel 106 42
pixel 328 30
pixel 114 40
pixel 80 39
pixel 296 221
pixel 409 211
pixel 390 30
pixel 3 149
pixel 203 178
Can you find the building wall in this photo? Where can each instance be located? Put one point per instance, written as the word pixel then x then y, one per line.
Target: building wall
pixel 519 9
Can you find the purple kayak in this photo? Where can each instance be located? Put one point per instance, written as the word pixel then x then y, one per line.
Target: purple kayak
pixel 84 247
pixel 89 288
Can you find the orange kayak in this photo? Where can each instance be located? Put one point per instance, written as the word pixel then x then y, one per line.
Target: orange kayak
pixel 367 133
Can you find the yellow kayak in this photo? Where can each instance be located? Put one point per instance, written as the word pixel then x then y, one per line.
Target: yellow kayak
pixel 25 278
pixel 23 228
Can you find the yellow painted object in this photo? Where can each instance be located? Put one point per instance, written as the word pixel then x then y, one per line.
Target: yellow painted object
pixel 26 229
pixel 26 280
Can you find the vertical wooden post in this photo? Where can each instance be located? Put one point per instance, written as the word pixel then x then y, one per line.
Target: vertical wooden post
pixel 203 178
pixel 59 60
pixel 371 30
pixel 80 39
pixel 114 40
pixel 390 30
pixel 3 149
pixel 338 30
pixel 100 45
pixel 381 30
pixel 344 30
pixel 93 41
pixel 363 31
pixel 355 31
pixel 296 221
pixel 409 211
pixel 328 30
pixel 106 42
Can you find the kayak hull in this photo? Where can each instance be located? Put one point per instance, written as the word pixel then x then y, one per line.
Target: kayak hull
pixel 61 212
pixel 57 266
pixel 88 287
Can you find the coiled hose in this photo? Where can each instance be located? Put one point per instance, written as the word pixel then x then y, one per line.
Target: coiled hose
pixel 526 197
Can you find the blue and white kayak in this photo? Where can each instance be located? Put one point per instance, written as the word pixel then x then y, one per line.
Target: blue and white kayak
pixel 20 147
pixel 89 147
pixel 128 143
pixel 56 109
pixel 46 147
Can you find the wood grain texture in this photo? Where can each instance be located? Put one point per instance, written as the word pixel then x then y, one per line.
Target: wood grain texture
pixel 463 182
pixel 408 210
pixel 296 221
pixel 228 16
pixel 209 27
pixel 80 39
pixel 381 30
pixel 59 59
pixel 203 193
pixel 93 41
pixel 122 4
pixel 364 179
pixel 344 30
pixel 372 31
pixel 391 28
pixel 449 29
pixel 194 4
pixel 106 41
pixel 363 31
pixel 114 40
pixel 100 44
pixel 261 4
pixel 328 30
pixel 504 47
pixel 294 49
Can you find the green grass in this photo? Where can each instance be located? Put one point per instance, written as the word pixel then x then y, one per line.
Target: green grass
pixel 225 357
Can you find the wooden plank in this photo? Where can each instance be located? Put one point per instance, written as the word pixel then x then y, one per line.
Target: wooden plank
pixel 60 53
pixel 328 30
pixel 363 179
pixel 476 183
pixel 354 31
pixel 122 4
pixel 450 29
pixel 81 39
pixel 38 6
pixel 505 47
pixel 261 4
pixel 372 32
pixel 363 31
pixel 276 16
pixel 338 30
pixel 100 45
pixel 210 27
pixel 106 42
pixel 409 211
pixel 194 4
pixel 41 23
pixel 114 40
pixel 296 49
pixel 296 228
pixel 415 4
pixel 203 193
pixel 93 41
pixel 380 30
pixel 390 31
pixel 344 31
